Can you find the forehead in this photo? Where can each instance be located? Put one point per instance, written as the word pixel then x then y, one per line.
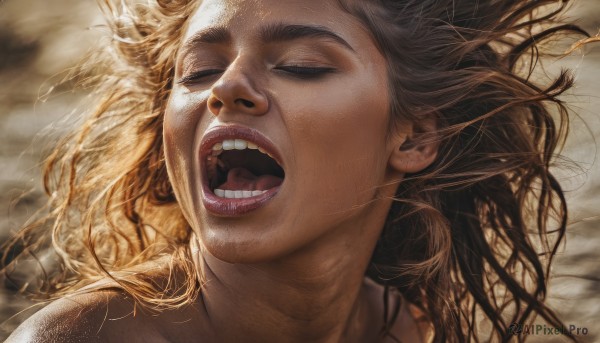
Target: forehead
pixel 248 16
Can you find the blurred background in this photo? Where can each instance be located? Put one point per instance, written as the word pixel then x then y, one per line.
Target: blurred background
pixel 40 40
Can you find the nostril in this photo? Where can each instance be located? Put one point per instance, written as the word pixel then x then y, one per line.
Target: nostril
pixel 246 103
pixel 215 105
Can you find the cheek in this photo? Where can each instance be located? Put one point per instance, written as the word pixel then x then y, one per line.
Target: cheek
pixel 179 136
pixel 343 154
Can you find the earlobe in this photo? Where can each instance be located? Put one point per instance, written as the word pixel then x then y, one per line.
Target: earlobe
pixel 415 150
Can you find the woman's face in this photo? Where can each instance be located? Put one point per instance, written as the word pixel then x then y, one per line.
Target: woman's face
pixel 304 82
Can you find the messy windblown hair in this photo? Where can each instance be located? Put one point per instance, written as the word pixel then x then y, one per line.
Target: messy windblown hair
pixel 471 237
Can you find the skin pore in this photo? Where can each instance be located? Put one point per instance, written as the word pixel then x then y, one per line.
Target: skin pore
pixel 165 192
pixel 292 270
pixel 307 76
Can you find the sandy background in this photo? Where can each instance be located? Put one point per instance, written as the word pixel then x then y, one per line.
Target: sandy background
pixel 41 39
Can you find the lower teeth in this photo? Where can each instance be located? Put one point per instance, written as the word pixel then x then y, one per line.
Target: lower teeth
pixel 237 194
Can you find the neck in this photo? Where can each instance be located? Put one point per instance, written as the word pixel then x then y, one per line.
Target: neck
pixel 317 294
pixel 267 307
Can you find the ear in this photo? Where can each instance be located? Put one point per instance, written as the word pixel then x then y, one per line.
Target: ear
pixel 414 146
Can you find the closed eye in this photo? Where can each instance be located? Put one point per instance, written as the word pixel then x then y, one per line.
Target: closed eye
pixel 297 71
pixel 305 72
pixel 199 76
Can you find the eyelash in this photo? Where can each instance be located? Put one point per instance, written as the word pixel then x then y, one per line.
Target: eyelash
pixel 305 72
pixel 294 70
pixel 199 75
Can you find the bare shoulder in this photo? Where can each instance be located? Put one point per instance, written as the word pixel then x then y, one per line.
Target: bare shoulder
pixel 422 330
pixel 98 316
pixel 410 324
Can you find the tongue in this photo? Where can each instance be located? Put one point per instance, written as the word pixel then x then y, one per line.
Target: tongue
pixel 241 179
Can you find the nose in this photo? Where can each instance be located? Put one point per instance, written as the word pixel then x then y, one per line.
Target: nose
pixel 236 92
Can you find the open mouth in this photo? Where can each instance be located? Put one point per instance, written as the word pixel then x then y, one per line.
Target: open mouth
pixel 238 169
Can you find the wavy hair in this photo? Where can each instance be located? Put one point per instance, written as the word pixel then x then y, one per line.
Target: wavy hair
pixel 470 237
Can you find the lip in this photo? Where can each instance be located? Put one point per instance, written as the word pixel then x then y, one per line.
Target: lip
pixel 234 207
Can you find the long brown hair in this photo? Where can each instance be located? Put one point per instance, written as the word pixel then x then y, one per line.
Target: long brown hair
pixel 475 233
pixel 472 235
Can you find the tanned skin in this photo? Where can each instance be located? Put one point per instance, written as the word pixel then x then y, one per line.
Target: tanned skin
pixel 292 270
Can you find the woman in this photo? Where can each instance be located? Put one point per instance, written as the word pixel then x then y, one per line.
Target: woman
pixel 309 171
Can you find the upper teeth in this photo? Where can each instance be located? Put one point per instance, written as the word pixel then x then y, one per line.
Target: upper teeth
pixel 237 144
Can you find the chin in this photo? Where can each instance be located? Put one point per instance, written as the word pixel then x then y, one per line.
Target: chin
pixel 236 250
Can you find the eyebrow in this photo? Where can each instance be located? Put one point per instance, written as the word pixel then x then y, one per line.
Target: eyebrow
pixel 270 33
pixel 283 32
pixel 212 35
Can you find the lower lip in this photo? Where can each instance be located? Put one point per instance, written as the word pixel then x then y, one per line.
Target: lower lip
pixel 228 207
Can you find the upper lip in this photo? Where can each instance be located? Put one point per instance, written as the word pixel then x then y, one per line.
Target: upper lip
pixel 219 133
